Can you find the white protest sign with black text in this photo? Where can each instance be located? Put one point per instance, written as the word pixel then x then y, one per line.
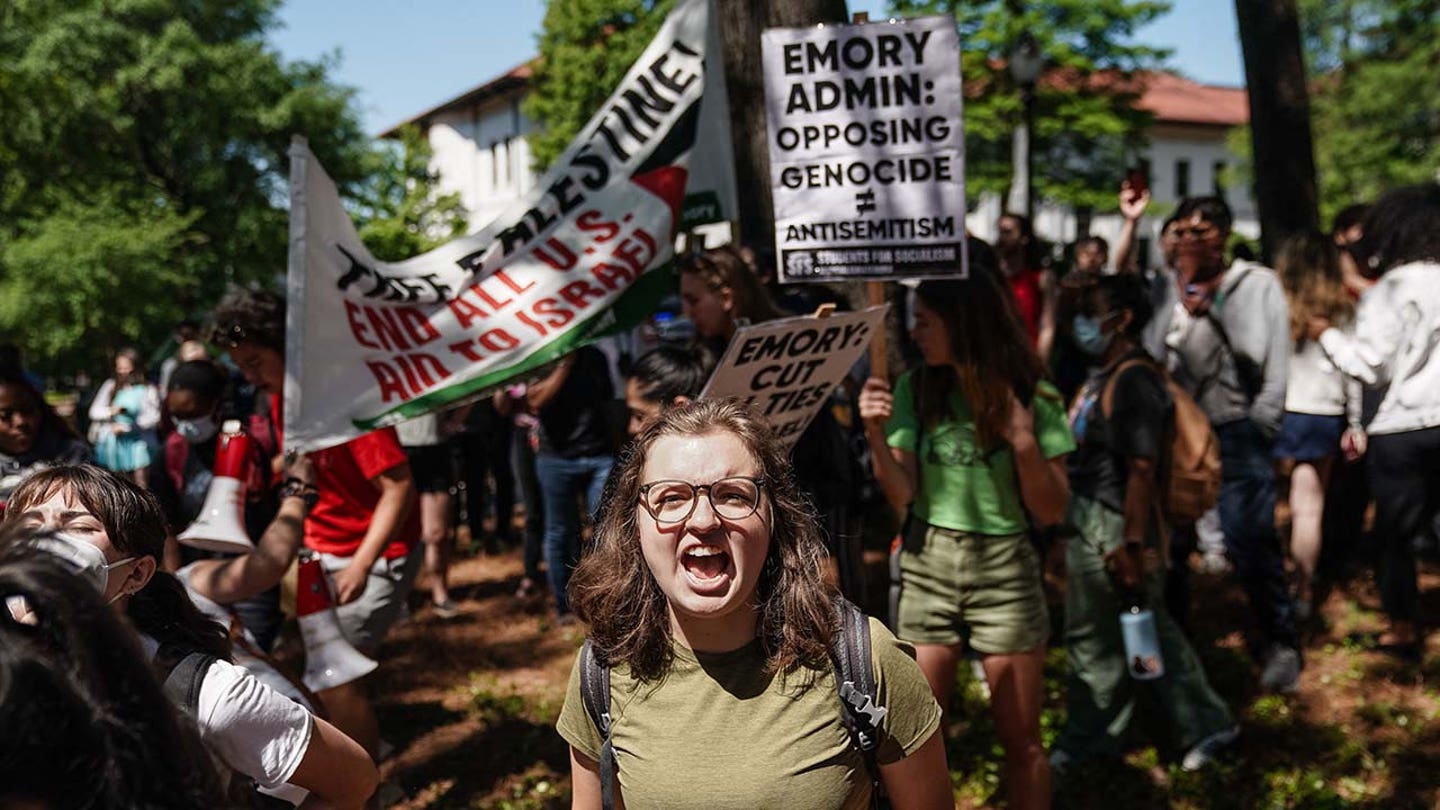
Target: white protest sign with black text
pixel 786 369
pixel 867 150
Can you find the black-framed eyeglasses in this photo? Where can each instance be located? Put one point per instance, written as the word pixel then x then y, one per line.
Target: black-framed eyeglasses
pixel 671 502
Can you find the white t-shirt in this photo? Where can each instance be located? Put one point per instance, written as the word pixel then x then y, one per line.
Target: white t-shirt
pixel 265 673
pixel 422 431
pixel 1315 386
pixel 255 730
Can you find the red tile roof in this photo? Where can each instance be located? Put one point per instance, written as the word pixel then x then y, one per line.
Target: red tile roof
pixel 1175 99
pixel 514 78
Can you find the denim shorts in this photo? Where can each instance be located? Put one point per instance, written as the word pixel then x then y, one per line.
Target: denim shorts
pixel 981 590
pixel 1308 436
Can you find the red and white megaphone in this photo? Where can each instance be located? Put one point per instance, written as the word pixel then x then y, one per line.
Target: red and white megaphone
pixel 221 524
pixel 330 660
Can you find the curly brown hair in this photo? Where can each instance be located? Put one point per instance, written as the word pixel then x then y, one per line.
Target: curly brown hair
pixel 249 316
pixel 614 592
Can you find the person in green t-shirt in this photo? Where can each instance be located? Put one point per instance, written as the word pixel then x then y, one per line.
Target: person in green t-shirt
pixel 969 445
pixel 704 595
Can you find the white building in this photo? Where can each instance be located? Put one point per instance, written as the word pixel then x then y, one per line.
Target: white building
pixel 480 152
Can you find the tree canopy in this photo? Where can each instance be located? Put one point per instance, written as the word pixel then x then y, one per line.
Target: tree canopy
pixel 402 214
pixel 144 155
pixel 1374 97
pixel 1086 123
pixel 586 46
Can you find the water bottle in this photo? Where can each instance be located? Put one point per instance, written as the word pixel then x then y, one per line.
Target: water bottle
pixel 1142 643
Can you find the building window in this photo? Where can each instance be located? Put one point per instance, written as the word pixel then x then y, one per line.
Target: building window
pixel 1218 172
pixel 509 163
pixel 494 165
pixel 1182 179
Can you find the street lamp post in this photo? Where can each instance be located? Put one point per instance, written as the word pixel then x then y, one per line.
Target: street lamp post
pixel 1026 63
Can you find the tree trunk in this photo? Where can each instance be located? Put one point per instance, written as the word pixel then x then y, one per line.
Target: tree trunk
pixel 741 23
pixel 1284 154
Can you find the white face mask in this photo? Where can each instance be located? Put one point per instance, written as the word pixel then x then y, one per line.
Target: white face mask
pixel 196 431
pixel 83 558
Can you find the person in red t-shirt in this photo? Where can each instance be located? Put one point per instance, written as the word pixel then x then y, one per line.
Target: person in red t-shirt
pixel 364 523
pixel 1032 284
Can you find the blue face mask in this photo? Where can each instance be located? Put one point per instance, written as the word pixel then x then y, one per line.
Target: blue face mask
pixel 1088 336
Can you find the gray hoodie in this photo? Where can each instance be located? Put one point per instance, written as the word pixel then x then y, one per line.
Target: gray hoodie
pixel 1251 309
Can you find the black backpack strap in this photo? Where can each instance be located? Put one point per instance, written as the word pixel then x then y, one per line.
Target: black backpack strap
pixel 859 696
pixel 182 674
pixel 595 694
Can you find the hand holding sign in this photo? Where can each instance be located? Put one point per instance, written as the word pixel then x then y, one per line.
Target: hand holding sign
pixel 786 369
pixel 877 404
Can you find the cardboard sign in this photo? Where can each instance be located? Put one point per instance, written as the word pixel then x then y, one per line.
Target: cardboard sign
pixel 786 369
pixel 867 150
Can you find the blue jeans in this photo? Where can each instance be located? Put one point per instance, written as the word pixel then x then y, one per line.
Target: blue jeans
pixel 1247 516
pixel 562 481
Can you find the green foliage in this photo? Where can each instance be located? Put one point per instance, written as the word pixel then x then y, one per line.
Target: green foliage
pixel 586 47
pixel 1086 124
pixel 401 213
pixel 1375 101
pixel 144 152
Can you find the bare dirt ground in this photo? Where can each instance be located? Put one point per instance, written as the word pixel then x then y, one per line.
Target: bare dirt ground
pixel 469 704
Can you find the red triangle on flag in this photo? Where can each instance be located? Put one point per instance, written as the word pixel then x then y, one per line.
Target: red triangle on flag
pixel 667 183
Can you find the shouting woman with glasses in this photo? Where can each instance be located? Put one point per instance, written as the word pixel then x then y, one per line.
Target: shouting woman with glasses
pixel 705 599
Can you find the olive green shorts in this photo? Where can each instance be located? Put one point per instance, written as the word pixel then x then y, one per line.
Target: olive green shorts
pixel 982 590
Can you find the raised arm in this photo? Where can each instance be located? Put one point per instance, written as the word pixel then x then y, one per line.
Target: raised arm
pixel 227 581
pixel 1132 208
pixel 539 394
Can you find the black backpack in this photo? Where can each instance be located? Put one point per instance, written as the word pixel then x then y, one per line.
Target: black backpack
pixel 182 673
pixel 859 700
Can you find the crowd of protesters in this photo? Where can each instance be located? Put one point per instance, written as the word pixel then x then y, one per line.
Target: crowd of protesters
pixel 1040 417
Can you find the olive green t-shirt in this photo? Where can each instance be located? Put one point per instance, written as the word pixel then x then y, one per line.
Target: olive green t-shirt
pixel 962 488
pixel 716 732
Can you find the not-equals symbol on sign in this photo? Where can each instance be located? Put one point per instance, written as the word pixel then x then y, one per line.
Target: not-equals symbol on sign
pixel 864 201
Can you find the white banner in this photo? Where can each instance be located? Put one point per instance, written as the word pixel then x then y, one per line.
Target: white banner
pixel 867 150
pixel 786 369
pixel 371 343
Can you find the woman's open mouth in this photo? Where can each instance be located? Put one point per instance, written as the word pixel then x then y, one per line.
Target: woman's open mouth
pixel 706 566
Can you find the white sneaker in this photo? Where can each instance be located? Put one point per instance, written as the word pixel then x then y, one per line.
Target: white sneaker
pixel 1205 751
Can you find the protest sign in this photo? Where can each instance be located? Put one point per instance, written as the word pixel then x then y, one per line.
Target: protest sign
pixel 585 253
pixel 867 165
pixel 786 369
